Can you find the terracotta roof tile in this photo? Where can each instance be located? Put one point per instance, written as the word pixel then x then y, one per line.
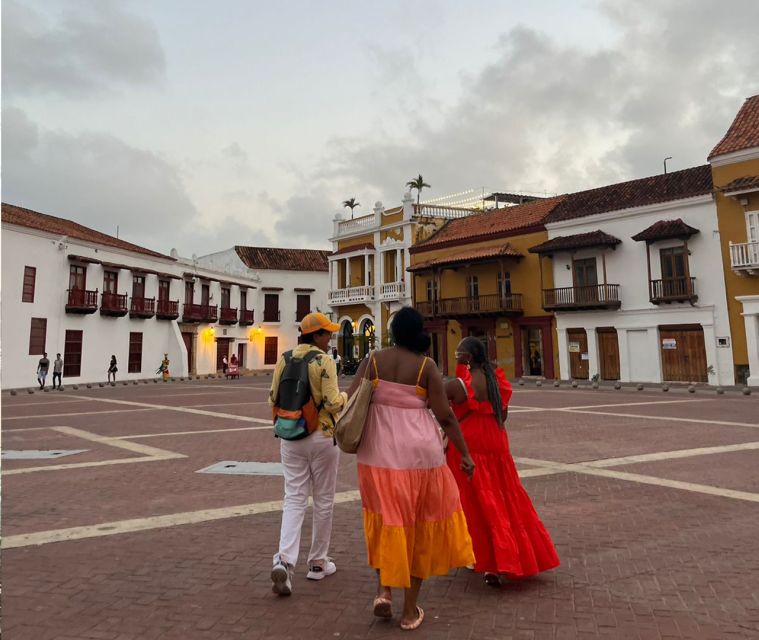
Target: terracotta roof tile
pixel 577 241
pixel 747 183
pixel 664 230
pixel 473 255
pixel 283 259
pixel 743 133
pixel 482 226
pixel 635 193
pixel 60 226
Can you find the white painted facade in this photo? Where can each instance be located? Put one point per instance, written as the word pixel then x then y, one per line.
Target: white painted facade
pixel 637 321
pixel 751 320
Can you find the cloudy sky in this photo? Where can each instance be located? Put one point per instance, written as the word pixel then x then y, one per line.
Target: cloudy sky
pixel 199 125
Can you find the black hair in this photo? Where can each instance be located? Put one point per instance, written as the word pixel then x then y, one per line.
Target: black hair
pixel 474 347
pixel 407 329
pixel 308 338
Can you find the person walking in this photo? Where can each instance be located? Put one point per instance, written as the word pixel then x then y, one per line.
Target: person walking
pixel 57 371
pixel 414 524
pixel 508 537
pixel 338 360
pixel 42 368
pixel 224 365
pixel 112 369
pixel 310 463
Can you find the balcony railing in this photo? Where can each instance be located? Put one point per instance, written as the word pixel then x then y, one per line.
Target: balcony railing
pixel 142 307
pixel 81 301
pixel 393 291
pixel 485 305
pixel 440 211
pixel 271 315
pixel 199 313
pixel 351 295
pixel 246 317
pixel 113 304
pixel 744 256
pixel 228 315
pixel 673 290
pixel 357 224
pixel 167 309
pixel 597 296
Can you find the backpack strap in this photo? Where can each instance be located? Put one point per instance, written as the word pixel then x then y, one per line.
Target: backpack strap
pixel 287 355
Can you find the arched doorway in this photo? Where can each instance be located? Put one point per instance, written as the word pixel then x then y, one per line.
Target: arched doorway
pixel 366 337
pixel 345 341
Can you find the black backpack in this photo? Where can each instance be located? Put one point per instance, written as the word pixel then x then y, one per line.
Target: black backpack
pixel 296 415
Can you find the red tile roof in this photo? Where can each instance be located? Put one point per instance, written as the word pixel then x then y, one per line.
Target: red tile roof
pixel 474 255
pixel 744 132
pixel 352 248
pixel 745 184
pixel 283 259
pixel 577 241
pixel 664 230
pixel 22 217
pixel 490 224
pixel 665 187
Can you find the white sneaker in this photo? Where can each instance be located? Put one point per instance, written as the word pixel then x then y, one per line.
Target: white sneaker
pixel 281 579
pixel 321 571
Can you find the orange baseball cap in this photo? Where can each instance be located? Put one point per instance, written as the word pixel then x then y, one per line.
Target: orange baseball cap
pixel 315 321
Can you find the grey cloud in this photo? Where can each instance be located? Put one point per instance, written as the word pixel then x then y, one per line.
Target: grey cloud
pixel 85 47
pixel 305 220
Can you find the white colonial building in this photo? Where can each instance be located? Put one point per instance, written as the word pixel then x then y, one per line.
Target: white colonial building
pixel 72 290
pixel 639 291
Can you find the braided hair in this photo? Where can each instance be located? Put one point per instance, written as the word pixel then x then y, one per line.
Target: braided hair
pixel 476 349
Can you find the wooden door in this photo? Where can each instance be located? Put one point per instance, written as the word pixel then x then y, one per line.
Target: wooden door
pixel 222 351
pixel 205 294
pixel 608 348
pixel 77 277
pixel 187 338
pixel 683 354
pixel 271 350
pixel 241 355
pixel 578 346
pixel 72 354
pixel 271 307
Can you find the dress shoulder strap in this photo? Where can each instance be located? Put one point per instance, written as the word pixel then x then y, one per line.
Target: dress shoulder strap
pixel 419 389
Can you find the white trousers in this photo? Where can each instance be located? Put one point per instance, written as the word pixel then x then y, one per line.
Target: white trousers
pixel 310 467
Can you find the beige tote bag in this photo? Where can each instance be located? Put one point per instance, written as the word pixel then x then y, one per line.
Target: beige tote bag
pixel 350 423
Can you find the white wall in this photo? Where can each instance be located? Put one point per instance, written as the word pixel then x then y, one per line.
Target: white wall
pixel 626 266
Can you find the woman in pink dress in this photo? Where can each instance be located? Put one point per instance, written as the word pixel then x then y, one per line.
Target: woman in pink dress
pixel 413 521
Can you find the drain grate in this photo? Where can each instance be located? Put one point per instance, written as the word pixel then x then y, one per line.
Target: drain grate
pixel 37 454
pixel 233 467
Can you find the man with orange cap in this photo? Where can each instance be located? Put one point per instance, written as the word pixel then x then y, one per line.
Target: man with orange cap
pixel 310 463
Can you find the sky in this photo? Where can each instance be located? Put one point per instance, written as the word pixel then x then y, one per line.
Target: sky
pixel 195 125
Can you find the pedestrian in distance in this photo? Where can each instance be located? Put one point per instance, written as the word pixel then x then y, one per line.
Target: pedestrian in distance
pixel 306 399
pixel 508 537
pixel 224 365
pixel 338 360
pixel 414 525
pixel 42 368
pixel 112 369
pixel 57 371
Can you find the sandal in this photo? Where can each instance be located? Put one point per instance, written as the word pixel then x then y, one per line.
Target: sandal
pixel 383 608
pixel 416 623
pixel 492 579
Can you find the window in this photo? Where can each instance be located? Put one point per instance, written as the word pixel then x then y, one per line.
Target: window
pixel 135 352
pixel 584 272
pixel 72 354
pixel 674 271
pixel 30 275
pixel 473 286
pixel 189 291
pixel 110 281
pixel 37 336
pixel 271 307
pixel 271 350
pixel 243 300
pixel 303 306
pixel 163 289
pixel 138 286
pixel 504 283
pixel 226 297
pixel 77 277
pixel 432 293
pixel 205 294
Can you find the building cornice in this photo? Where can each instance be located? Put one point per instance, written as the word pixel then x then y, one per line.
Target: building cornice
pixel 735 157
pixel 480 238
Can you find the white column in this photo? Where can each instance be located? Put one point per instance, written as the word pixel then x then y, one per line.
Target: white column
pixel 593 364
pixel 366 270
pixel 379 268
pixel 751 320
pixel 624 356
pixel 398 265
pixel 563 354
pixel 712 357
pixel 653 355
pixel 347 273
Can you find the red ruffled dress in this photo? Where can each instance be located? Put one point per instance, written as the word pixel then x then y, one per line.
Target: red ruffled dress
pixel 507 534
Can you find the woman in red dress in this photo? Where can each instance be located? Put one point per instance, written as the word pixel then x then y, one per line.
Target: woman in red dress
pixel 507 535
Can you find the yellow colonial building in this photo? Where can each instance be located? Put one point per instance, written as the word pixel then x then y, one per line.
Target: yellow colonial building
pixel 735 173
pixel 475 277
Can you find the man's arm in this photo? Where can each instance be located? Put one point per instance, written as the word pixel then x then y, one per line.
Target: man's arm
pixel 333 399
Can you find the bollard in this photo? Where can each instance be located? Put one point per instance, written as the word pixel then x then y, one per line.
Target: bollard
pixel 617 385
pixel 46 389
pixel 75 387
pixel 13 392
pixel 594 385
pixel 538 383
pixel 665 388
pixel 30 391
pixel 521 382
pixel 101 385
pixel 691 389
pixel 556 384
pixel 574 384
pixel 720 391
pixel 639 387
pixel 746 391
pixel 89 386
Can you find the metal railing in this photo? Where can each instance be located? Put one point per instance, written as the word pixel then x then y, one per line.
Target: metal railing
pixel 597 295
pixel 672 289
pixel 167 309
pixel 246 316
pixel 115 303
pixel 350 295
pixel 271 315
pixel 744 255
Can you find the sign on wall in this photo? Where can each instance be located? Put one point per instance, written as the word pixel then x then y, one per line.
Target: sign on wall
pixel 669 343
pixel 574 347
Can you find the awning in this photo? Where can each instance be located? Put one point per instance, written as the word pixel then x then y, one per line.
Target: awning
pixel 747 184
pixel 665 230
pixel 578 241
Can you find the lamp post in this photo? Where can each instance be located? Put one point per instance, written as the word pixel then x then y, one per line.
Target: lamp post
pixel 665 164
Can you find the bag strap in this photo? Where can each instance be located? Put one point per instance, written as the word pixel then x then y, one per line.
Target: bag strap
pixel 421 370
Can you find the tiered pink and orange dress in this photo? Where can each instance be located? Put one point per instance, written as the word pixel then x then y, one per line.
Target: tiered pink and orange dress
pixel 507 534
pixel 413 520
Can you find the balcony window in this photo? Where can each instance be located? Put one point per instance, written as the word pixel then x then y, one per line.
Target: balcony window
pixel 504 283
pixel 205 294
pixel 584 272
pixel 432 292
pixel 138 286
pixel 226 296
pixel 473 286
pixel 77 277
pixel 271 307
pixel 189 291
pixel 110 281
pixel 303 306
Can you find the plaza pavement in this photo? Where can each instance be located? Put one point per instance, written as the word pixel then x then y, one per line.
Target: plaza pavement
pixel 651 498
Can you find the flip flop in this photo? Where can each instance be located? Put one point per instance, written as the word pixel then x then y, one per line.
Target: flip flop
pixel 416 623
pixel 383 607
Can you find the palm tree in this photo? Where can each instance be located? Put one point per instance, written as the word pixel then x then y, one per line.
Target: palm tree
pixel 418 184
pixel 352 204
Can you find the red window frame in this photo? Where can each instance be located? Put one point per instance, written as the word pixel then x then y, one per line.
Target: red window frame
pixel 37 336
pixel 72 353
pixel 77 277
pixel 30 277
pixel 271 350
pixel 110 281
pixel 135 352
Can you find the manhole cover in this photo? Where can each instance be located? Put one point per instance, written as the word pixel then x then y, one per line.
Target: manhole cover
pixel 36 454
pixel 245 468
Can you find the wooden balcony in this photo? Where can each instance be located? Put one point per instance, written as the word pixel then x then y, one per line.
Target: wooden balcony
pixel 228 316
pixel 597 296
pixel 480 306
pixel 167 310
pixel 199 313
pixel 82 301
pixel 113 304
pixel 673 290
pixel 142 307
pixel 246 317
